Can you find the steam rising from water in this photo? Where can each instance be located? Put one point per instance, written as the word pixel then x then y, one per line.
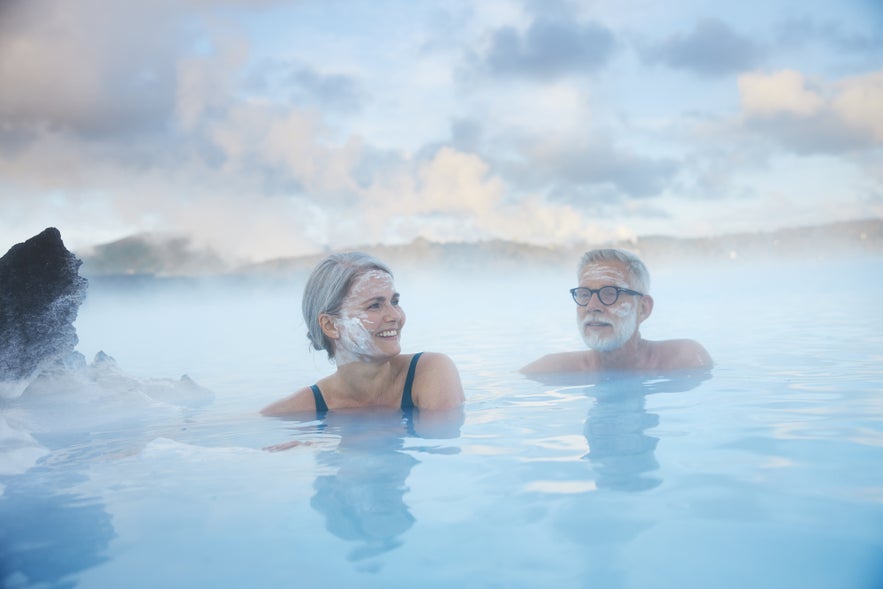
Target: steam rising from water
pixel 244 341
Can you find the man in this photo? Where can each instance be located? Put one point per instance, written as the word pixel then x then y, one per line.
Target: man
pixel 612 301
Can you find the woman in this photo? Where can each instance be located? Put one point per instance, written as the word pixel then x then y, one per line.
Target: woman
pixel 352 311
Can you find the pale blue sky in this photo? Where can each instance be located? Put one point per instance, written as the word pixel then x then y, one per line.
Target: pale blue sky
pixel 265 128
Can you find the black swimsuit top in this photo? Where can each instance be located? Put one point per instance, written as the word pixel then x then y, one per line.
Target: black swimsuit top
pixel 407 401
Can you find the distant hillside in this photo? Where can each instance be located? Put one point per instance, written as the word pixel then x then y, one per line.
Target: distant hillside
pixel 812 242
pixel 816 242
pixel 152 255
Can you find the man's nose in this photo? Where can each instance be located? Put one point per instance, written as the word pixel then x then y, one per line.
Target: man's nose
pixel 595 305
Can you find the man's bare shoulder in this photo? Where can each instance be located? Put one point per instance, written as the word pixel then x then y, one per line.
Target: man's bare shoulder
pixel 560 362
pixel 678 354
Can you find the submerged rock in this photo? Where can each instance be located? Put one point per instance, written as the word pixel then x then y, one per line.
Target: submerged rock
pixel 40 295
pixel 102 386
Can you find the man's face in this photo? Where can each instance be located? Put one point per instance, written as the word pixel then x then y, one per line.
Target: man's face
pixel 607 327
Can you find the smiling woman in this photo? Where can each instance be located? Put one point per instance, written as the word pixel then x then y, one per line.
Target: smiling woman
pixel 352 311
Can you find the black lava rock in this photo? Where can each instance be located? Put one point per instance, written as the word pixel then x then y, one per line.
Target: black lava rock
pixel 40 294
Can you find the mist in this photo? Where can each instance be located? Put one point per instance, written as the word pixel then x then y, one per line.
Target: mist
pixel 243 336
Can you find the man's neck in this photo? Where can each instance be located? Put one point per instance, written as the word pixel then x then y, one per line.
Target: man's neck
pixel 632 355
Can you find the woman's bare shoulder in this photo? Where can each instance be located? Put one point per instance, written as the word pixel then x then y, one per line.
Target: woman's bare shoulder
pixel 299 402
pixel 435 359
pixel 437 382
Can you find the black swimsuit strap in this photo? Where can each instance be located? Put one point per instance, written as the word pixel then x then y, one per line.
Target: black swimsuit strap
pixel 321 406
pixel 407 401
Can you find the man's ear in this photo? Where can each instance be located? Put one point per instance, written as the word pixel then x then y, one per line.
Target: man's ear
pixel 329 327
pixel 645 307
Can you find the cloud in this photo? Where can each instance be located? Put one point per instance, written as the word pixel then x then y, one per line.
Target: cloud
pixel 548 49
pixel 785 92
pixel 148 115
pixel 814 116
pixel 306 86
pixel 98 69
pixel 206 84
pixel 333 91
pixel 456 196
pixel 800 31
pixel 442 197
pixel 466 133
pixel 586 172
pixel 859 104
pixel 712 48
pixel 268 142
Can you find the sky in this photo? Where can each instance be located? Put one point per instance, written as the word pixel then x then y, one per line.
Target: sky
pixel 262 129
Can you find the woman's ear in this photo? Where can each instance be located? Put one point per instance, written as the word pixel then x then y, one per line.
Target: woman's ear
pixel 329 327
pixel 645 307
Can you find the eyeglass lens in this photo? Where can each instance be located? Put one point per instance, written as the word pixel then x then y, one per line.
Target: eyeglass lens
pixel 606 294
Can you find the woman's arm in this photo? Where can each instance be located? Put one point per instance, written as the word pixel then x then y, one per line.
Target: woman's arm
pixel 299 402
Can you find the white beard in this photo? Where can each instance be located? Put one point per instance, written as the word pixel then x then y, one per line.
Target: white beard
pixel 622 332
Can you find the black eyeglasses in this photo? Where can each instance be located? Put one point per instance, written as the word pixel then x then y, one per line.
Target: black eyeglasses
pixel 606 294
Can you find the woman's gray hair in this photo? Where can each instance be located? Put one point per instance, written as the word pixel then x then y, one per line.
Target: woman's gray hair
pixel 635 266
pixel 327 287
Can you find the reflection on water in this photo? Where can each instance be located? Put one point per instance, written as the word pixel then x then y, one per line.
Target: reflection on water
pixel 620 449
pixel 363 500
pixel 46 537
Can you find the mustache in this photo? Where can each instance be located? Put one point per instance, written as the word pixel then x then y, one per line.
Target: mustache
pixel 594 320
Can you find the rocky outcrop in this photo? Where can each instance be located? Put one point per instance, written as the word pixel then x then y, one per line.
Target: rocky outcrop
pixel 40 295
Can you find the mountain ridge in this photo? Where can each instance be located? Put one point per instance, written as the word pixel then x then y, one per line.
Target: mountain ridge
pixel 177 256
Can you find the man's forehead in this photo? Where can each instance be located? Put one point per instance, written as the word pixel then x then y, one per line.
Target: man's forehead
pixel 610 271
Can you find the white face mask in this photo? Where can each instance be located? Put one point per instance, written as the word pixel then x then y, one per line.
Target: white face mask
pixel 358 323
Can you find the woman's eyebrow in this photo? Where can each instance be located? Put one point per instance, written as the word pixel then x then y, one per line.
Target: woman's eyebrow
pixel 379 298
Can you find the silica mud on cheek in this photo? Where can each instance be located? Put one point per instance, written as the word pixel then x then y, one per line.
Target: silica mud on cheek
pixel 355 339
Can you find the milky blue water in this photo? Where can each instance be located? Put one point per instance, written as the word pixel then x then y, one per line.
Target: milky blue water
pixel 765 473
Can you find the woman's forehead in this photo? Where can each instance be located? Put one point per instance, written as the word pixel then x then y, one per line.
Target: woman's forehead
pixel 371 281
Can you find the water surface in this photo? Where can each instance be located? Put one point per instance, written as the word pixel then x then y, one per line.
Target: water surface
pixel 763 473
